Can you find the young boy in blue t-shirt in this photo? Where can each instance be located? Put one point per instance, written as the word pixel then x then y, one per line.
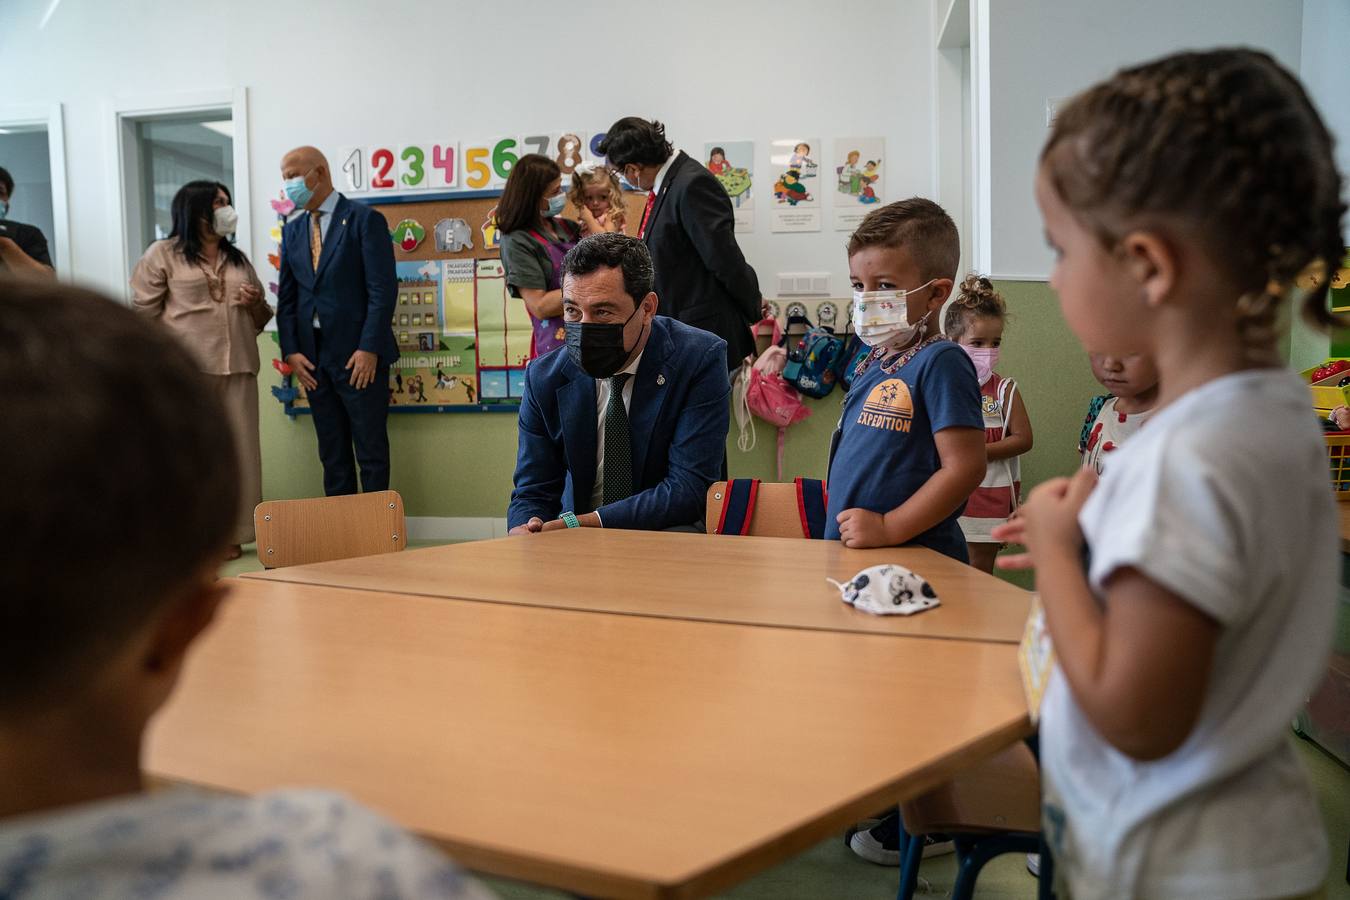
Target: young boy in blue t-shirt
pixel 910 449
pixel 118 519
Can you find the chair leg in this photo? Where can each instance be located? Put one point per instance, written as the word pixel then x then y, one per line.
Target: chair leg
pixel 911 855
pixel 1045 887
pixel 979 851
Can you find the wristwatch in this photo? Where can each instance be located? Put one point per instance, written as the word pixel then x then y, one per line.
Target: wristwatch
pixel 570 520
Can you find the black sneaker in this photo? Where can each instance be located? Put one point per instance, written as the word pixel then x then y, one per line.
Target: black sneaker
pixel 877 841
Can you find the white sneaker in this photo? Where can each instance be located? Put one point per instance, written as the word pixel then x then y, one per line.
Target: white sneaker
pixel 1034 864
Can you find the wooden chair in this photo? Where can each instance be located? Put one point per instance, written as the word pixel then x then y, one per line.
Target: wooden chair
pixel 991 809
pixel 775 514
pixel 295 532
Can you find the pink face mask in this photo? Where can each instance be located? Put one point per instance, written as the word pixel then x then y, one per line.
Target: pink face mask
pixel 984 358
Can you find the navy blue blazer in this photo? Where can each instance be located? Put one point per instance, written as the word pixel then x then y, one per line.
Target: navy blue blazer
pixel 678 418
pixel 354 289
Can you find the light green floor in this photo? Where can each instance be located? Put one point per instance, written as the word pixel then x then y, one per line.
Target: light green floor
pixel 829 870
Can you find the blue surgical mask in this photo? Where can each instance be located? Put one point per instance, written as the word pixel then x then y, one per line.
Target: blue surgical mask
pixel 556 204
pixel 297 191
pixel 4 208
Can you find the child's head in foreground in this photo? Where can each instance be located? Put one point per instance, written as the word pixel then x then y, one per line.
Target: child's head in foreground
pixel 909 245
pixel 1190 193
pixel 125 490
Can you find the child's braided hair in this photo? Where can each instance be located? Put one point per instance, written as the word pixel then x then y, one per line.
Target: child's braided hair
pixel 1228 143
pixel 977 297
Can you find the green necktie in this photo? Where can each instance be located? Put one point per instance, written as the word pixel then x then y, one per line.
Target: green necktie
pixel 618 445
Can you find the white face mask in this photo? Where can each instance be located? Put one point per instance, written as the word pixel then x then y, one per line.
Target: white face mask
pixel 887 590
pixel 881 318
pixel 226 220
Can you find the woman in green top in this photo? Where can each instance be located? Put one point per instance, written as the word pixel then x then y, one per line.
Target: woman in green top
pixel 535 238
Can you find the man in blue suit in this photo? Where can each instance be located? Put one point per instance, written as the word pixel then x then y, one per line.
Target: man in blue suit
pixel 626 426
pixel 335 306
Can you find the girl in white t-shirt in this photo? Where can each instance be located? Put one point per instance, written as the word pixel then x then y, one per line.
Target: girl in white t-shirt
pixel 1132 380
pixel 1190 595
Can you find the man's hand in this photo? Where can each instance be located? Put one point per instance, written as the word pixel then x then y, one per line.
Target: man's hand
pixel 534 526
pixel 303 370
pixel 14 257
pixel 362 365
pixel 862 528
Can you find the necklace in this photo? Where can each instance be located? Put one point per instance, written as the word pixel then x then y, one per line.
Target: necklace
pixel 890 368
pixel 215 284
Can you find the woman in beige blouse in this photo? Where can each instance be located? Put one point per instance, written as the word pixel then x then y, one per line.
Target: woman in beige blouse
pixel 205 290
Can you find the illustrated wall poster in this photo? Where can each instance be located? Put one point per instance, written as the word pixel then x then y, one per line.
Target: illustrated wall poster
pixel 434 367
pixel 858 182
pixel 796 184
pixel 732 163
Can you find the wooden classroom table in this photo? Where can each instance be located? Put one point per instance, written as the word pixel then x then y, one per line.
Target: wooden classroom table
pixel 615 756
pixel 712 578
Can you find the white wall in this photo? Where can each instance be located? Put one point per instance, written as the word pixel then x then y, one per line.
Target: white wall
pixel 1326 74
pixel 1042 49
pixel 354 72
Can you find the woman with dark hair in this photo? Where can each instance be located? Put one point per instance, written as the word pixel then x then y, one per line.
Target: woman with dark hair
pixel 535 238
pixel 205 291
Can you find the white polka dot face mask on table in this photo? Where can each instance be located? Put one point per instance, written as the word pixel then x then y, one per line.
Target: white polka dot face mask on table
pixel 887 590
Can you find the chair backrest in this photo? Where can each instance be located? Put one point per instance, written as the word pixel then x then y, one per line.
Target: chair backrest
pixel 295 532
pixel 1002 793
pixel 775 513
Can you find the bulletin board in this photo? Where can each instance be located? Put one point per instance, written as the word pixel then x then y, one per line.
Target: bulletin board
pixel 463 339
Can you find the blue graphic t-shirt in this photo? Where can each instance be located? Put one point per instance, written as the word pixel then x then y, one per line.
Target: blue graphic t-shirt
pixel 886 449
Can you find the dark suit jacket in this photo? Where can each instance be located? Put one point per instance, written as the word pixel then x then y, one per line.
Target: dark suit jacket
pixel 29 238
pixel 678 418
pixel 354 289
pixel 702 277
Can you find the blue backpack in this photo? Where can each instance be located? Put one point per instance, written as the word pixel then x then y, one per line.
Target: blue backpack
pixel 855 353
pixel 811 364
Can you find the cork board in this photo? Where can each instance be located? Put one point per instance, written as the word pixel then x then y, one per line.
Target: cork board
pixel 474 212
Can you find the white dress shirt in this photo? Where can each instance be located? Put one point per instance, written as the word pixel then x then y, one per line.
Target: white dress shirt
pixel 661 173
pixel 601 401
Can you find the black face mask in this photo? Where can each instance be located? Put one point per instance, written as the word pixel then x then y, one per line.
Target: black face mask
pixel 597 347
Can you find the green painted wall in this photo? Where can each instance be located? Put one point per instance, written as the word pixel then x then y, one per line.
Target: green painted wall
pixel 460 464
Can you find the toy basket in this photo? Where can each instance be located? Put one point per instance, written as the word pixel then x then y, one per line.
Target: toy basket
pixel 1338 456
pixel 1327 394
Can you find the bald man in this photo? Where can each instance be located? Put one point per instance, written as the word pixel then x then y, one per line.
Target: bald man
pixel 335 306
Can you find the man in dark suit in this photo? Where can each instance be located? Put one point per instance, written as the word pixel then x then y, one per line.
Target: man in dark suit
pixel 626 426
pixel 23 248
pixel 335 305
pixel 702 277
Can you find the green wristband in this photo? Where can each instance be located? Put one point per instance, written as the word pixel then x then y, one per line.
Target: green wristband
pixel 570 520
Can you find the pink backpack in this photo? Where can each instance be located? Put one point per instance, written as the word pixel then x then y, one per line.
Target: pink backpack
pixel 760 390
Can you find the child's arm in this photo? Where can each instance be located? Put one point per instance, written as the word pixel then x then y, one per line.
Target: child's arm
pixel 1017 436
pixel 961 469
pixel 1138 666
